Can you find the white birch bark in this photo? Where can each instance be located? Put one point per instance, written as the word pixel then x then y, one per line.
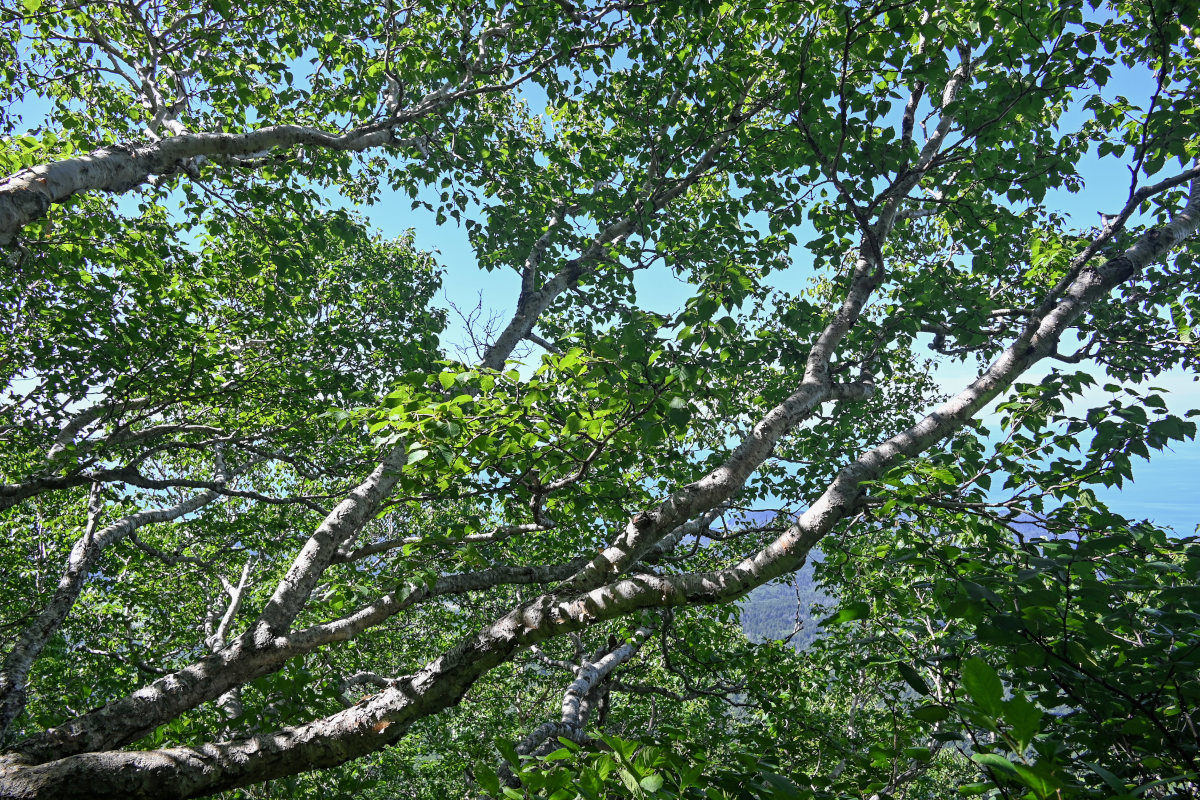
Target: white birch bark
pixel 580 697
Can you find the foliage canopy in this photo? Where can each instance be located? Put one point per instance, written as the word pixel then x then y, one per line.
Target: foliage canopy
pixel 261 521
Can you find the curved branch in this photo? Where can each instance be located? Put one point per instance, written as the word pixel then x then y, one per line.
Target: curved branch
pixel 29 194
pixel 532 304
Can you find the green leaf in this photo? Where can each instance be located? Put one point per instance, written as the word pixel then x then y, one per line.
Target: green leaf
pixel 983 685
pixel 627 778
pixel 782 786
pixel 973 789
pixel 848 613
pixel 1024 717
pixel 509 751
pixel 913 678
pixel 488 780
pixel 994 761
pixel 1042 786
pixel 1111 780
pixel 931 713
pixel 652 782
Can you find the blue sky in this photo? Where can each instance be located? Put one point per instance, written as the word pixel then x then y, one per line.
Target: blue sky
pixel 1165 490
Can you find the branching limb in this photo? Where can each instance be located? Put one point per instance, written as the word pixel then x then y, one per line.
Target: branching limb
pixel 230 702
pixel 534 302
pixel 82 561
pixel 1112 227
pixel 66 436
pixel 579 700
pixel 125 720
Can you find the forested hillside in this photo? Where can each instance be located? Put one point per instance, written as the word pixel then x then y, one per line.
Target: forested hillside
pixel 784 609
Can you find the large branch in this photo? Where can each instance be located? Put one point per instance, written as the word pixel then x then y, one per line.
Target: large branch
pixel 345 521
pixel 125 720
pixel 250 655
pixel 647 529
pixel 720 485
pixel 66 436
pixel 230 702
pixel 1037 341
pixel 12 494
pixel 384 718
pixel 29 194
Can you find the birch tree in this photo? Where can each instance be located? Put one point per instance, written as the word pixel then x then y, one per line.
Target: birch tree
pixel 261 521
